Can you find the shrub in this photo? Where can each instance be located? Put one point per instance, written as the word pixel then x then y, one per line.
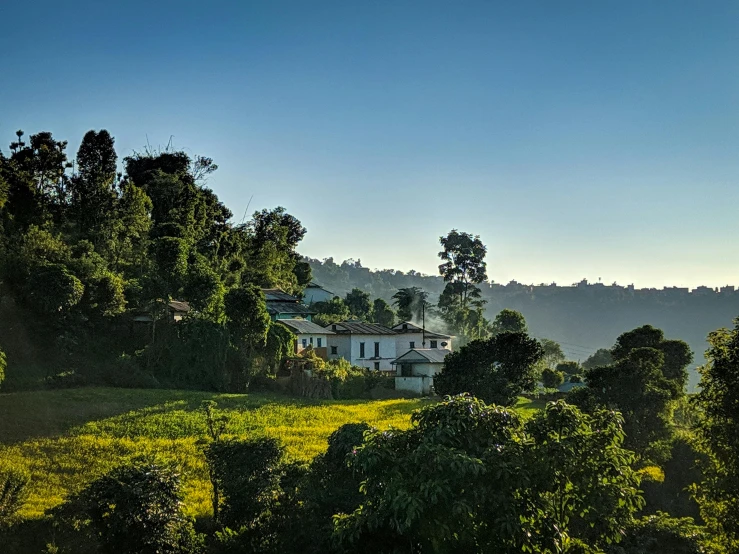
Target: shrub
pixel 13 492
pixel 136 508
pixel 661 534
pixel 551 378
pixel 125 372
pixel 245 472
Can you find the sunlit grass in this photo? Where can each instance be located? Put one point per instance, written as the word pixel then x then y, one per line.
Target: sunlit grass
pixel 67 438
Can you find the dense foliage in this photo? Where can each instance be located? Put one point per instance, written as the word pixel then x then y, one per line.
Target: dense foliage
pixel 496 370
pixel 91 257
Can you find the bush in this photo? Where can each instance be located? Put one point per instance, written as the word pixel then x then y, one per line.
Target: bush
pixel 551 378
pixel 661 534
pixel 134 509
pixel 125 373
pixel 575 379
pixel 570 368
pixel 245 472
pixel 13 492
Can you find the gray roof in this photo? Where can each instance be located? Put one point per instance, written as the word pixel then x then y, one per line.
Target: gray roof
pixel 277 295
pixel 179 306
pixel 314 285
pixel 359 328
pixel 276 308
pixel 413 328
pixel 432 355
pixel 304 327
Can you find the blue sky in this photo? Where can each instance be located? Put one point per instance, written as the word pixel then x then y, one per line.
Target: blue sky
pixel 579 139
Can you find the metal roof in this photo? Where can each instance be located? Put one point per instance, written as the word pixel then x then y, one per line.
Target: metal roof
pixel 179 306
pixel 359 328
pixel 305 327
pixel 314 285
pixel 432 355
pixel 277 295
pixel 275 308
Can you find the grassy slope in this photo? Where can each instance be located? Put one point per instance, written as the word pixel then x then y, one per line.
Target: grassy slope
pixel 68 437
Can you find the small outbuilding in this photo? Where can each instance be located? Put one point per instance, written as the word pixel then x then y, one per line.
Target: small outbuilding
pixel 416 368
pixel 309 334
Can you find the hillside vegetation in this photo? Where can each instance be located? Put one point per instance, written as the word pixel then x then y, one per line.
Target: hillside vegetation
pixel 71 437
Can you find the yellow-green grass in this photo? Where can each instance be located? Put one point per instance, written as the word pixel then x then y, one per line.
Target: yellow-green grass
pixel 527 407
pixel 66 438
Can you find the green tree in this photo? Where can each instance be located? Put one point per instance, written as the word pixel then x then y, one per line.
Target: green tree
pixel 330 311
pixel 677 354
pixel 135 509
pixel 635 386
pixel 248 324
pixel 359 304
pixel 552 378
pixel 718 430
pixel 495 370
pixel 463 258
pixel 511 321
pixel 410 302
pixel 600 357
pixel 382 313
pixel 470 478
pixel 92 188
pixel 569 368
pixel 553 354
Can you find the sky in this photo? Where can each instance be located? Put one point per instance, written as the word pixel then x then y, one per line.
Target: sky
pixel 579 139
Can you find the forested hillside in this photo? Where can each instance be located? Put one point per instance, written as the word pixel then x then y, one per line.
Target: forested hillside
pixel 582 318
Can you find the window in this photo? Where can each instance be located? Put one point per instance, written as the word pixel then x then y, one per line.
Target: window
pixel 305 343
pixel 377 365
pixel 334 350
pixel 319 341
pixel 413 344
pixel 406 370
pixel 433 344
pixel 377 350
pixel 311 340
pixel 361 350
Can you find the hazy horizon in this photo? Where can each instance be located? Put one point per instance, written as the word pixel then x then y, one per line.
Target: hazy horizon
pixel 578 139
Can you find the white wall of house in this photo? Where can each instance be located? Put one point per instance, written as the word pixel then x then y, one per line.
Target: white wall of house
pixel 418 385
pixel 306 340
pixel 349 348
pixel 426 369
pixel 315 294
pixel 404 340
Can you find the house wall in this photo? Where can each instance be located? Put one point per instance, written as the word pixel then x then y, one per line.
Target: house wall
pixel 426 369
pixel 310 340
pixel 417 385
pixel 403 340
pixel 348 348
pixel 316 295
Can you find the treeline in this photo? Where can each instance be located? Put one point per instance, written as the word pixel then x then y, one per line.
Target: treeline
pixel 581 318
pixel 87 253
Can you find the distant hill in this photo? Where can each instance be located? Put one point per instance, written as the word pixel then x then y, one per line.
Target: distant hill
pixel 582 318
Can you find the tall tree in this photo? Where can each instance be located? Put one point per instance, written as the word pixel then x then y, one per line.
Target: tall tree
pixel 92 188
pixel 719 432
pixel 509 320
pixel 359 303
pixel 410 302
pixel 382 313
pixel 463 258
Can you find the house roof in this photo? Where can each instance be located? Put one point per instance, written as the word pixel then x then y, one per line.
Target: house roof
pixel 359 328
pixel 413 328
pixel 179 306
pixel 314 285
pixel 278 295
pixel 276 308
pixel 305 327
pixel 430 355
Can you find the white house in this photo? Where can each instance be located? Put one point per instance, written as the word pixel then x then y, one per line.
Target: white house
pixel 362 344
pixel 316 293
pixel 309 334
pixel 410 335
pixel 417 367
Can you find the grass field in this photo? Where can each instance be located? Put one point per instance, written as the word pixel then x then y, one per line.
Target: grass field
pixel 66 438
